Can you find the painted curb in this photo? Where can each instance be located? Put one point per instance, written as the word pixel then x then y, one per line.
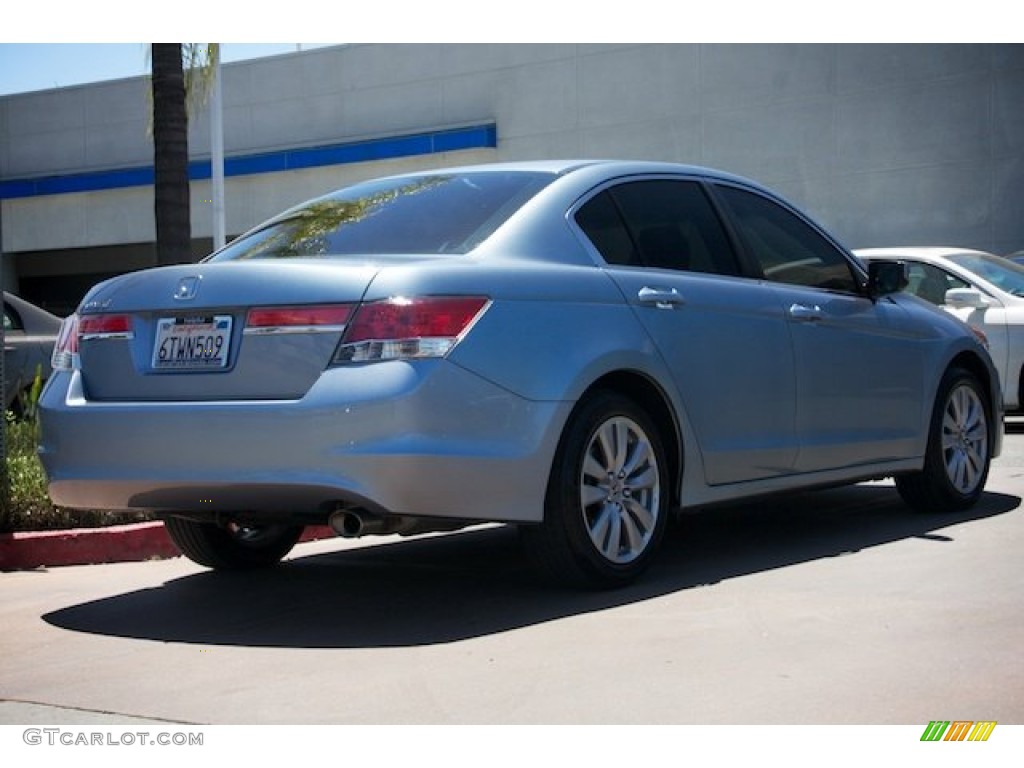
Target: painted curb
pixel 25 550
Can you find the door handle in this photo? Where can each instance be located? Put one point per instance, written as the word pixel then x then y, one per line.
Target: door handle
pixel 662 298
pixel 807 314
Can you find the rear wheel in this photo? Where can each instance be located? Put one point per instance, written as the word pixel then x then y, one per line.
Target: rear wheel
pixel 232 546
pixel 958 454
pixel 607 497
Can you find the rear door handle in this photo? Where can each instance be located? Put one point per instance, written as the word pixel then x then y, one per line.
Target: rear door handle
pixel 662 298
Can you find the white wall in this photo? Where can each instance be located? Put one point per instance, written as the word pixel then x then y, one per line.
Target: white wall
pixel 883 143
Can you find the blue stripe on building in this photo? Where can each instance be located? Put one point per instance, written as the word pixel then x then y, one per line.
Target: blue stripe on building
pixel 410 145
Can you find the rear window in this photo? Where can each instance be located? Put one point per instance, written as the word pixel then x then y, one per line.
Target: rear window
pixel 1002 273
pixel 430 214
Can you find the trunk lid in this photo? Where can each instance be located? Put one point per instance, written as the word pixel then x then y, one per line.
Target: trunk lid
pixel 185 333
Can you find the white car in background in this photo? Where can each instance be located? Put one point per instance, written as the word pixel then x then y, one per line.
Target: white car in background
pixel 982 289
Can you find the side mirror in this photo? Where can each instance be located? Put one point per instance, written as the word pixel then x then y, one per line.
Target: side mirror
pixel 960 298
pixel 886 277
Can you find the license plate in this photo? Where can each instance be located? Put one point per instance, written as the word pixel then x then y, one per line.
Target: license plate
pixel 192 343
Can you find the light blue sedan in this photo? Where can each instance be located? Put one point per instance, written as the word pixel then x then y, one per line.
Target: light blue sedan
pixel 578 348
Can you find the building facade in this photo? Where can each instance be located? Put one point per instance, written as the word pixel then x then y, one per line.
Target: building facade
pixel 884 144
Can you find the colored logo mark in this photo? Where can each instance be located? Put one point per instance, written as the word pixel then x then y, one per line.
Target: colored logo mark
pixel 958 730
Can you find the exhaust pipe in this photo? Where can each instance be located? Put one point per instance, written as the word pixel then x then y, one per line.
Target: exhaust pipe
pixel 351 524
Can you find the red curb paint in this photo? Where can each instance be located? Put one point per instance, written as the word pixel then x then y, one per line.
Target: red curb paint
pixel 317 532
pixel 81 546
pixel 113 544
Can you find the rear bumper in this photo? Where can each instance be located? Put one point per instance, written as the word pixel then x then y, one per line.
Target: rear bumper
pixel 423 439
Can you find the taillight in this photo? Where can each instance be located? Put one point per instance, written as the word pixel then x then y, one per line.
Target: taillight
pixel 77 328
pixel 268 320
pixel 105 327
pixel 402 328
pixel 65 350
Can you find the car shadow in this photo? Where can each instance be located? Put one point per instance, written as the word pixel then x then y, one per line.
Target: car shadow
pixel 474 583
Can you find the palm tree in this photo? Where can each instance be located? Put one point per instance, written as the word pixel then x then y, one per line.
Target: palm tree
pixel 182 78
pixel 170 145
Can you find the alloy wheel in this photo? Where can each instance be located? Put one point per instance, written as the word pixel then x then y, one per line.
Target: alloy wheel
pixel 620 490
pixel 964 439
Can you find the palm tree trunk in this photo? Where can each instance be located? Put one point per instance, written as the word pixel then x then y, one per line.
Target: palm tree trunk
pixel 170 145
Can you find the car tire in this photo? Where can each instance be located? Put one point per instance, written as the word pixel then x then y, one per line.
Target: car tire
pixel 958 453
pixel 232 546
pixel 606 505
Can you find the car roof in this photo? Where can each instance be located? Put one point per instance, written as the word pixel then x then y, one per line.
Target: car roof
pixel 916 251
pixel 612 167
pixel 31 314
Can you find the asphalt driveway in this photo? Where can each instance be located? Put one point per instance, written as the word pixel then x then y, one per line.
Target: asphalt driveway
pixel 841 607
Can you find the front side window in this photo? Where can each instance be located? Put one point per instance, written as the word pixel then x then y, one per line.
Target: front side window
pixel 430 214
pixel 661 223
pixel 787 249
pixel 931 283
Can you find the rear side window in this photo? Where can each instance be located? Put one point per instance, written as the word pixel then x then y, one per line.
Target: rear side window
pixel 602 223
pixel 12 322
pixel 659 223
pixel 787 249
pixel 430 214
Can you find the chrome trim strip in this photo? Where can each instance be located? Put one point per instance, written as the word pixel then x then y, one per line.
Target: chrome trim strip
pixel 279 330
pixel 125 335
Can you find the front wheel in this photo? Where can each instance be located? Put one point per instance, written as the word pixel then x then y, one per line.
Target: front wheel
pixel 232 546
pixel 958 454
pixel 607 497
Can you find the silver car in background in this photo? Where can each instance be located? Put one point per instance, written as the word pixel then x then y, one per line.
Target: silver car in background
pixel 579 348
pixel 30 333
